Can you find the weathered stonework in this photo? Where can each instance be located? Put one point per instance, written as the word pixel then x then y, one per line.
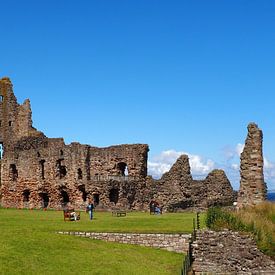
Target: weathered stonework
pixel 172 242
pixel 39 172
pixel 228 252
pixel 252 187
pixel 177 190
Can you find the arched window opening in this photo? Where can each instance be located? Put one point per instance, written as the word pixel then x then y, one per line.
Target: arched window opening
pixel 61 169
pixel 122 168
pixel 114 194
pixel 10 123
pixel 13 172
pixel 96 199
pixel 79 174
pixel 26 195
pixel 1 150
pixel 61 153
pixel 44 200
pixel 65 198
pixel 1 98
pixel 84 193
pixel 42 167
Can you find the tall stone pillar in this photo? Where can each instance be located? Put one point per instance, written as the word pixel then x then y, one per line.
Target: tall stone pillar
pixel 252 187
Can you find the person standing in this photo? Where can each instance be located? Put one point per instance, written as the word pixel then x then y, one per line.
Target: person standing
pixel 90 209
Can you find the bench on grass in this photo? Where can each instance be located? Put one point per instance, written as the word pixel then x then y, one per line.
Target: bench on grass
pixel 119 213
pixel 71 215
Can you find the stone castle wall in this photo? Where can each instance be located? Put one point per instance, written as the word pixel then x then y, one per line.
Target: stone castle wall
pixel 252 187
pixel 37 171
pixel 177 190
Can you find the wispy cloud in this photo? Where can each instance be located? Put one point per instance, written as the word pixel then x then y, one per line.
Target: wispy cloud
pixel 162 163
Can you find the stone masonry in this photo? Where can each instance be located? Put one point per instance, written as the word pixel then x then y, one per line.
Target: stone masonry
pixel 172 242
pixel 177 190
pixel 42 172
pixel 228 252
pixel 252 187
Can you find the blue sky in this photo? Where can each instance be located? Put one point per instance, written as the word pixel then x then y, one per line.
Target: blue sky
pixel 181 76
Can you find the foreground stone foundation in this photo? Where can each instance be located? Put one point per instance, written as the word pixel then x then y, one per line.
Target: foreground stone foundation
pixel 172 242
pixel 228 252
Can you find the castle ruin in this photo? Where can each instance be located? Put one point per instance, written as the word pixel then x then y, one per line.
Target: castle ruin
pixel 42 172
pixel 252 188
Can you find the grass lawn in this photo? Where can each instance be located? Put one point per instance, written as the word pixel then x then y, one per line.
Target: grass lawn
pixel 29 244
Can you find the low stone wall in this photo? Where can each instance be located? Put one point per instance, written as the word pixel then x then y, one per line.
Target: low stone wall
pixel 172 242
pixel 228 252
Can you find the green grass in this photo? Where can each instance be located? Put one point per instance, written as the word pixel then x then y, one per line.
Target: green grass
pixel 29 243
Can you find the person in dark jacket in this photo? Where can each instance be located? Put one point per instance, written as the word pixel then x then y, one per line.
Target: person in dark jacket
pixel 90 209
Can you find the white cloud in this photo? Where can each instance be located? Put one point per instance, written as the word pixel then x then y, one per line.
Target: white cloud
pixel 239 148
pixel 163 162
pixel 230 152
pixel 200 166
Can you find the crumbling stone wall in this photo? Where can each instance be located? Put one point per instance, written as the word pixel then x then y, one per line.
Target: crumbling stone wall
pixel 228 252
pixel 177 190
pixel 252 187
pixel 37 171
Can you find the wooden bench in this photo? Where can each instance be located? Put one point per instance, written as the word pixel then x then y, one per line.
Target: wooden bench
pixel 119 213
pixel 71 215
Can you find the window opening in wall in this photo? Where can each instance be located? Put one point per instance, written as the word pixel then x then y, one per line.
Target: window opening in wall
pixel 96 199
pixel 126 172
pixel 1 98
pixel 65 198
pixel 10 123
pixel 0 123
pixel 42 167
pixel 13 172
pixel 122 167
pixel 79 174
pixel 26 195
pixel 38 154
pixel 113 196
pixel 84 193
pixel 1 150
pixel 61 169
pixel 61 153
pixel 44 200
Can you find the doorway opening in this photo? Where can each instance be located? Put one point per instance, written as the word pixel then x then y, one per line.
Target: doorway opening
pixel 84 193
pixel 65 198
pixel 114 194
pixel 44 200
pixel 96 199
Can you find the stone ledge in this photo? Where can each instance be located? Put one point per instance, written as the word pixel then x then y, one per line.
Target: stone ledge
pixel 172 242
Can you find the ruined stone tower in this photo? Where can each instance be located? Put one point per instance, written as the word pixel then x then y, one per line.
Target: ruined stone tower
pixel 15 119
pixel 252 187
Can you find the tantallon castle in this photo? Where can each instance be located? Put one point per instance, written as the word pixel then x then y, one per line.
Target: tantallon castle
pixel 37 171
